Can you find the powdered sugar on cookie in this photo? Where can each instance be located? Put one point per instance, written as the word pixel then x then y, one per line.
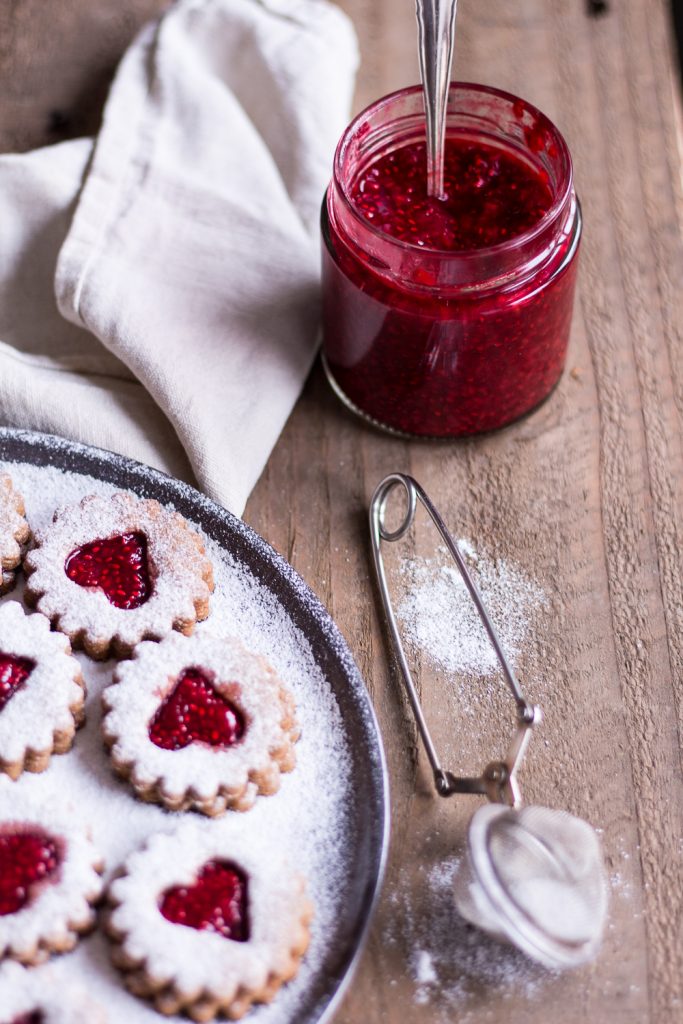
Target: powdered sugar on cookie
pixel 206 776
pixel 39 991
pixel 41 691
pixel 49 880
pixel 14 531
pixel 307 820
pixel 195 968
pixel 82 564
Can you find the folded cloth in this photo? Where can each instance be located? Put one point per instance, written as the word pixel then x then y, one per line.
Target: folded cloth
pixel 182 249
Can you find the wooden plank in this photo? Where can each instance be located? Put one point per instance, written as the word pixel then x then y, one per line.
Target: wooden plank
pixel 56 63
pixel 584 495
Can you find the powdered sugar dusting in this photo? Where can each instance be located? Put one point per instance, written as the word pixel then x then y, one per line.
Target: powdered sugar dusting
pixel 424 973
pixel 64 906
pixel 195 960
pixel 14 530
pixel 44 705
pixel 60 1004
pixel 212 774
pixel 449 961
pixel 439 619
pixel 179 588
pixel 621 881
pixel 306 820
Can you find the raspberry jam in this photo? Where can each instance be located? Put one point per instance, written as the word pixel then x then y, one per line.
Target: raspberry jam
pixel 117 566
pixel 195 713
pixel 35 1017
pixel 27 859
pixel 450 316
pixel 217 902
pixel 489 196
pixel 14 671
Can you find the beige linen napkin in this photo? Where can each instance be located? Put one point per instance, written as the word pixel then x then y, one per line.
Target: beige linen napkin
pixel 187 263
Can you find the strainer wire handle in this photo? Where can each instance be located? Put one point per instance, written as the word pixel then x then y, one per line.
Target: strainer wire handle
pixel 498 779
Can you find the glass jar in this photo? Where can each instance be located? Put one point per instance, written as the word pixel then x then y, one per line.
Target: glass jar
pixel 443 343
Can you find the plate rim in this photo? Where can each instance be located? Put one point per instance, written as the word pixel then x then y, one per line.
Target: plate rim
pixel 16 444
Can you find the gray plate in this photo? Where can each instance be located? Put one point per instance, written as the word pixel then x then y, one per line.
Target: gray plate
pixel 366 851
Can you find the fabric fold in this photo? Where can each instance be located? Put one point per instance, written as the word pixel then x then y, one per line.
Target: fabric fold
pixel 188 268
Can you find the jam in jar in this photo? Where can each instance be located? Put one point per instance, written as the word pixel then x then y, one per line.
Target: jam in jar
pixel 449 316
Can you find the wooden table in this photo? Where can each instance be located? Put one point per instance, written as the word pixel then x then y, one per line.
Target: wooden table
pixel 586 495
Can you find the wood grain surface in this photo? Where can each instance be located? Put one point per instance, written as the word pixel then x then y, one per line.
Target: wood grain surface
pixel 585 496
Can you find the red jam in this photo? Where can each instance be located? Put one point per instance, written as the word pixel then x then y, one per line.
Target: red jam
pixel 35 1017
pixel 445 317
pixel 14 671
pixel 27 859
pixel 195 713
pixel 117 566
pixel 490 195
pixel 217 902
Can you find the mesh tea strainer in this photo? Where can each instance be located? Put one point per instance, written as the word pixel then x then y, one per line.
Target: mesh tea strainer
pixel 532 876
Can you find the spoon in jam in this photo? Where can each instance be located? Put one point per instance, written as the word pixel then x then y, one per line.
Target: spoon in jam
pixel 436 30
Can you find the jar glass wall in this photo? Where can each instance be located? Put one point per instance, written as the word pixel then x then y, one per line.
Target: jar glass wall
pixel 443 342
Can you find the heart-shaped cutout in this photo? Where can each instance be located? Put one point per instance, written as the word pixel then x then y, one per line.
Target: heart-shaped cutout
pixel 27 859
pixel 14 671
pixel 216 902
pixel 34 1017
pixel 116 565
pixel 195 713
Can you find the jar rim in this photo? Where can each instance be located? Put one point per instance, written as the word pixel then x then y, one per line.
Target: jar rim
pixel 509 245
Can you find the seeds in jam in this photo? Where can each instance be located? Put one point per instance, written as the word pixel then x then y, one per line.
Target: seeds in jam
pixel 26 860
pixel 404 342
pixel 489 196
pixel 217 901
pixel 14 671
pixel 195 713
pixel 117 566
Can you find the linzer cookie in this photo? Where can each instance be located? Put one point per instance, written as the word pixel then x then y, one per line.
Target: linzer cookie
pixel 49 880
pixel 14 532
pixel 41 692
pixel 208 921
pixel 200 723
pixel 37 996
pixel 110 572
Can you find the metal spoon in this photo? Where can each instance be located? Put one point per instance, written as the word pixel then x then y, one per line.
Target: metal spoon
pixel 436 30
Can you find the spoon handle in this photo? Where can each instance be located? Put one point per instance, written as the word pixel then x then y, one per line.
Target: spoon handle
pixel 436 28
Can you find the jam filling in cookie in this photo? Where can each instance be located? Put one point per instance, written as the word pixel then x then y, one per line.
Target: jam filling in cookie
pixel 217 901
pixel 14 671
pixel 36 1017
pixel 117 566
pixel 27 861
pixel 195 713
pixel 111 572
pixel 49 882
pixel 42 692
pixel 208 921
pixel 200 723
